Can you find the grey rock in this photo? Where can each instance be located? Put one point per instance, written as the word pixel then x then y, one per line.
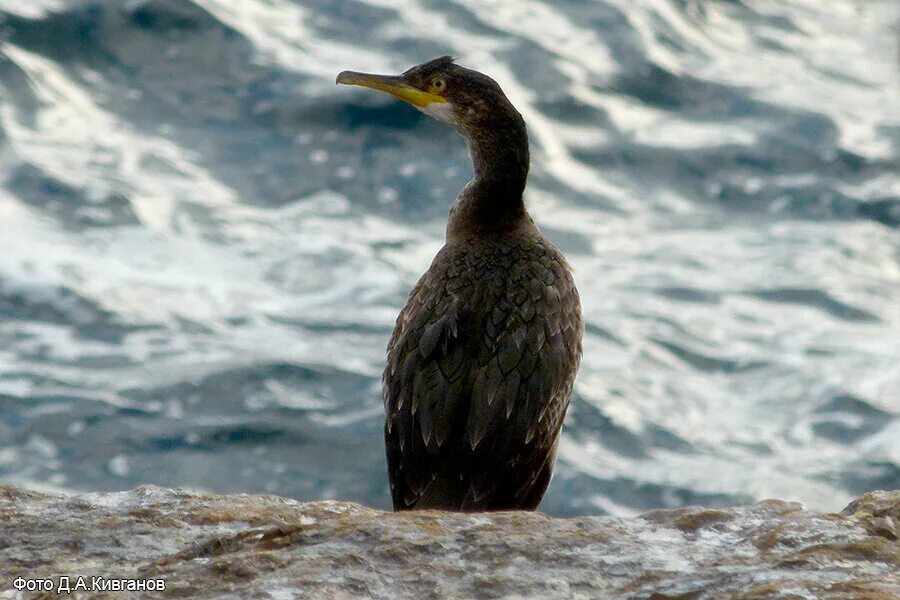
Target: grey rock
pixel 241 546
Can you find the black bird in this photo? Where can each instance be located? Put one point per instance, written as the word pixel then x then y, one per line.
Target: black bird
pixel 484 354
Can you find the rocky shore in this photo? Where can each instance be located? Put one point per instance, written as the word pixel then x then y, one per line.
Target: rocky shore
pixel 128 544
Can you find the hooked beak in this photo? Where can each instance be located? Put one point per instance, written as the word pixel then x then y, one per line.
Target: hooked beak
pixel 393 85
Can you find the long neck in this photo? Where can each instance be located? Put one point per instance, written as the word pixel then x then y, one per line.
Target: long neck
pixel 492 202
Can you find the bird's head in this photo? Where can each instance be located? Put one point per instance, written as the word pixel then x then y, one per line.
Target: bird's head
pixel 444 90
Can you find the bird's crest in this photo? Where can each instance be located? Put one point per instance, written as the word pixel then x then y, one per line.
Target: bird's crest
pixel 436 64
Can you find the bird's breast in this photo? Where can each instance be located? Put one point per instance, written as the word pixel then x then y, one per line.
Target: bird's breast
pixel 495 292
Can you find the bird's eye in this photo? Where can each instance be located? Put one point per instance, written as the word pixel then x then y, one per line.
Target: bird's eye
pixel 438 83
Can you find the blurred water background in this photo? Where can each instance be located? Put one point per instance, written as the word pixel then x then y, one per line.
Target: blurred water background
pixel 204 242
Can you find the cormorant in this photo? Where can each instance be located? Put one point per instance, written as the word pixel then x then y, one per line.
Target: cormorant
pixel 484 354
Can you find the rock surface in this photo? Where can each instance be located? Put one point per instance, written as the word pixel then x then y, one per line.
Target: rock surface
pixel 209 546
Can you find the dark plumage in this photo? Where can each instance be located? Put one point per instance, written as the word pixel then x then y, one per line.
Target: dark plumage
pixel 484 354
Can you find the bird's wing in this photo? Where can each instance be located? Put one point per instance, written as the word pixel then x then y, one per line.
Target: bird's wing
pixel 477 384
pixel 425 383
